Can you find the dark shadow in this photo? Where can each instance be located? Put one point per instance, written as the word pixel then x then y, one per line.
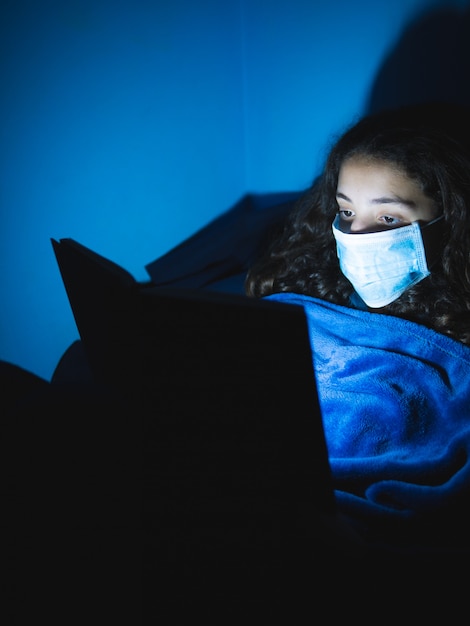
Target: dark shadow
pixel 430 63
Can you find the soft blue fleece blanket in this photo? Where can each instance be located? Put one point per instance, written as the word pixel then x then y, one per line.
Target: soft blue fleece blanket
pixel 395 401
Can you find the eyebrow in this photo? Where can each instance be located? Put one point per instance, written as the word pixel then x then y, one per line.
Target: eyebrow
pixel 384 200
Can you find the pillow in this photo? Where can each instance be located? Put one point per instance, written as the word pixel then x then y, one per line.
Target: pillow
pixel 219 255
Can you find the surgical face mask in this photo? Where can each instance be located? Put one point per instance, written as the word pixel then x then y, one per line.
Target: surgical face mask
pixel 382 265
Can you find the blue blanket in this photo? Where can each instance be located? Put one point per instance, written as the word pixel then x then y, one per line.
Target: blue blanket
pixel 395 401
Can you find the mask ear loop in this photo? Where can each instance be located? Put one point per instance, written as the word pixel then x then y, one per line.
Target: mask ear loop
pixel 432 235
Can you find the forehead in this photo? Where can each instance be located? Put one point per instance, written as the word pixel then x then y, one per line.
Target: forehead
pixel 363 173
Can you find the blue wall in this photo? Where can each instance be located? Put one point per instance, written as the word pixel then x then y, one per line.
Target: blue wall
pixel 129 125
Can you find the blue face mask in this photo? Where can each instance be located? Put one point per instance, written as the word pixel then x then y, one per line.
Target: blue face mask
pixel 382 265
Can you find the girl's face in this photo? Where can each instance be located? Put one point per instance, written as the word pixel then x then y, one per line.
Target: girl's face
pixel 374 196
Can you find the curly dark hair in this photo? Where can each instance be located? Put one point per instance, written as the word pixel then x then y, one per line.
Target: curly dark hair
pixel 422 143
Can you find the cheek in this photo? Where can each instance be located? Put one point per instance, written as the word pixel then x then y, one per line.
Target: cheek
pixel 434 210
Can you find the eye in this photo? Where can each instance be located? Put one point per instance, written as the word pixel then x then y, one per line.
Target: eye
pixel 346 214
pixel 390 220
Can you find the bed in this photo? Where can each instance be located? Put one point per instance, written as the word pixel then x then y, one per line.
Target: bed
pixel 395 398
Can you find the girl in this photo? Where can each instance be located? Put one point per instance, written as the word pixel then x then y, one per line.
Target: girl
pixel 386 227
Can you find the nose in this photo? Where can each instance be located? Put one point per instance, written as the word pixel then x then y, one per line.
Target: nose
pixel 359 225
